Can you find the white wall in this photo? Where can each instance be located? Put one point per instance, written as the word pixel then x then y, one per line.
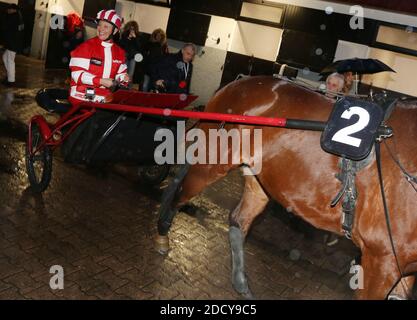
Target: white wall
pixel 401 81
pixel 397 37
pixel 222 28
pixel 260 41
pixel 207 74
pixel 261 12
pixel 40 30
pixel 151 17
pixel 126 9
pixel 349 50
pixel 66 6
pixel 42 19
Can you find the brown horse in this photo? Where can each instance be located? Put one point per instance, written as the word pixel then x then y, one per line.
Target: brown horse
pixel 297 173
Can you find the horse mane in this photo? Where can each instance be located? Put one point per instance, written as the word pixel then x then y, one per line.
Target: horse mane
pixel 409 103
pixel 297 83
pixel 300 83
pixel 404 103
pixel 307 88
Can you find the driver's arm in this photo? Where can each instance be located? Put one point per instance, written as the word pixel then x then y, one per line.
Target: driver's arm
pixel 80 65
pixel 122 75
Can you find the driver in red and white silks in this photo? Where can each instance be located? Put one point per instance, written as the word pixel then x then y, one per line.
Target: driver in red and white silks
pixel 97 62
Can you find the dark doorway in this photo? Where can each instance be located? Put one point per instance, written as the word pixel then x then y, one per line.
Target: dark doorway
pixel 28 12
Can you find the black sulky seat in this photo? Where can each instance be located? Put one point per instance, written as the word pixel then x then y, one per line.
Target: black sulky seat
pixel 53 100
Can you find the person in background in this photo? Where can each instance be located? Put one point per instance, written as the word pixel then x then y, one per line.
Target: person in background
pixel 74 35
pixel 173 74
pixel 335 83
pixel 130 41
pixel 13 28
pixel 77 38
pixel 75 32
pixel 348 87
pixel 156 50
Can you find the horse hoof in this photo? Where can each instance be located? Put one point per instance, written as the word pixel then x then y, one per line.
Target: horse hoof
pixel 189 209
pixel 248 295
pixel 162 244
pixel 242 288
pixel 396 297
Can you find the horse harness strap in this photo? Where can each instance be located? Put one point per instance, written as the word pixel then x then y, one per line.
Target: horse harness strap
pixel 348 170
pixel 386 211
pixel 349 193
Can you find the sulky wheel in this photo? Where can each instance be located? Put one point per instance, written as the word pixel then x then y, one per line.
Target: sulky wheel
pixel 39 164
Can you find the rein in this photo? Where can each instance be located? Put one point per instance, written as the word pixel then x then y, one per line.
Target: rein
pixel 384 201
pixel 412 180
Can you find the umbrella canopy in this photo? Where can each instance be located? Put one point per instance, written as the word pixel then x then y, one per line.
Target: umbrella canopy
pixel 356 65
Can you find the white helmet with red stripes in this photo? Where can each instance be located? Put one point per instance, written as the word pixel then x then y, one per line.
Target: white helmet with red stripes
pixel 110 16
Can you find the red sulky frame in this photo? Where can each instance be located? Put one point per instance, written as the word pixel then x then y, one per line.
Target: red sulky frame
pixel 142 103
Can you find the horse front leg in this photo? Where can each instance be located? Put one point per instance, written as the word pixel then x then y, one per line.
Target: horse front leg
pixel 189 182
pixel 168 210
pixel 252 203
pixel 380 275
pixel 404 289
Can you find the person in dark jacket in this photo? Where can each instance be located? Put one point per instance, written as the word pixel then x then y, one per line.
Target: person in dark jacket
pixel 76 38
pixel 13 28
pixel 173 73
pixel 156 49
pixel 132 43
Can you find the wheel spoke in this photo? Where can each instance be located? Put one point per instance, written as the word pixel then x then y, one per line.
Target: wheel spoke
pixel 38 161
pixel 38 157
pixel 35 141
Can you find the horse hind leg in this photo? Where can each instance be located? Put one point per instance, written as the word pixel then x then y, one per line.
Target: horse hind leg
pixel 250 206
